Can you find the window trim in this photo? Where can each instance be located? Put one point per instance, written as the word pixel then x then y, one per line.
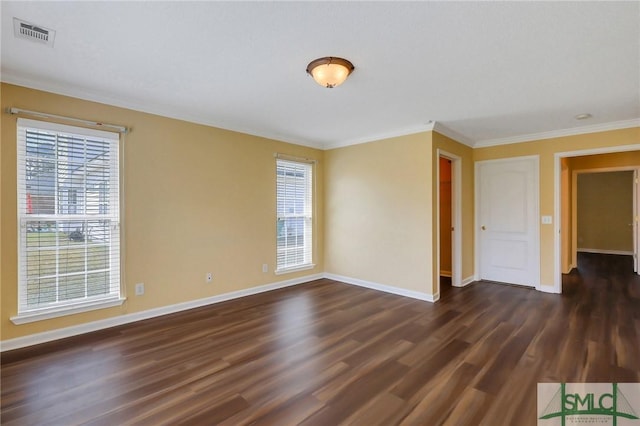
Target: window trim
pixel 25 315
pixel 60 311
pixel 304 267
pixel 312 216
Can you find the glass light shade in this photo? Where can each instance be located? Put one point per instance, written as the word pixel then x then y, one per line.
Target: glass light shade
pixel 330 72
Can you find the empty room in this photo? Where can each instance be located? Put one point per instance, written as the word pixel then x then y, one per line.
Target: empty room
pixel 319 213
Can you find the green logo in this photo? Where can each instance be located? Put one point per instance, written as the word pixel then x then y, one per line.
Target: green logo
pixel 587 404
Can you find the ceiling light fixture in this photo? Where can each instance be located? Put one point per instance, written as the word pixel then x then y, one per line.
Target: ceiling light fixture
pixel 583 116
pixel 330 72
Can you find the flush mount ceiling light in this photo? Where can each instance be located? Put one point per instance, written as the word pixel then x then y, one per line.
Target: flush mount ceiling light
pixel 330 72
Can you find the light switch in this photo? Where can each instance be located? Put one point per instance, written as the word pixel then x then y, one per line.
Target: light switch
pixel 546 220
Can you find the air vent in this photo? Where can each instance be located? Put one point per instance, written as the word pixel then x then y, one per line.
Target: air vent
pixel 36 33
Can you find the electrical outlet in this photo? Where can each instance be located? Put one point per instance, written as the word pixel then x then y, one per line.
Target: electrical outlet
pixel 139 289
pixel 265 268
pixel 209 277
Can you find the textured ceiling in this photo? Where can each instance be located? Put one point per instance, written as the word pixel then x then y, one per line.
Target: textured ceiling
pixel 484 72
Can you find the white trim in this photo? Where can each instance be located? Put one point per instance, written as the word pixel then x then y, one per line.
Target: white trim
pixel 61 311
pixel 35 123
pixel 557 281
pixel 615 125
pixel 380 136
pixel 164 111
pixel 149 108
pixel 47 116
pixel 465 282
pixel 557 237
pixel 28 313
pixel 383 287
pixel 452 134
pixel 47 336
pixel 602 251
pixel 547 289
pixel 295 269
pixel 456 219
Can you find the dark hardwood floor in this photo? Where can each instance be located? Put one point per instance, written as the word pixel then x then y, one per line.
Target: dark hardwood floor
pixel 327 353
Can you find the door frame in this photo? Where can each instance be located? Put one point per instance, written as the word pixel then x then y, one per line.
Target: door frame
pixel 456 217
pixel 536 231
pixel 557 202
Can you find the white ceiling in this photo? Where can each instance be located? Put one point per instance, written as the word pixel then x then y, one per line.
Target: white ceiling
pixel 484 72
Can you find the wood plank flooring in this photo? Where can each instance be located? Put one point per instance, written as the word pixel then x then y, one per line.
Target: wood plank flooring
pixel 327 353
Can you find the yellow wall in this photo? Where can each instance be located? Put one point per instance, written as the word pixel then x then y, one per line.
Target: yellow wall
pixel 604 161
pixel 605 211
pixel 379 212
pixel 196 199
pixel 200 199
pixel 466 209
pixel 546 149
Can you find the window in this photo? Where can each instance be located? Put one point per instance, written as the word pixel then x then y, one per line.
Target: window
pixel 294 215
pixel 68 219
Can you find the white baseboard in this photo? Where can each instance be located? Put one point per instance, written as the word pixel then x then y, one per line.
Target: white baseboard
pixel 601 251
pixel 47 336
pixel 445 274
pixel 386 288
pixel 547 289
pixel 465 282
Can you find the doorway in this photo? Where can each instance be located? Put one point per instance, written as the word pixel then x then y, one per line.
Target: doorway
pixel 446 227
pixel 604 203
pixel 449 220
pixel 617 158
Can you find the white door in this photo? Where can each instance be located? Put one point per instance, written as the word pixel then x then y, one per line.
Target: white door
pixel 508 230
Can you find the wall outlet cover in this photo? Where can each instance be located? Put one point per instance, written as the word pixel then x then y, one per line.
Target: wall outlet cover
pixel 139 289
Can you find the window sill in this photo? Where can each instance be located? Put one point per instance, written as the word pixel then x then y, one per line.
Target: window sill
pixel 45 314
pixel 295 269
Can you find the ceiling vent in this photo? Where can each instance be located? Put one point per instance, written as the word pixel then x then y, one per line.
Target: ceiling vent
pixel 27 31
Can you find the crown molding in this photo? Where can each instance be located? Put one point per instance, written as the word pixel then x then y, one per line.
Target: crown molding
pixel 75 92
pixel 380 136
pixel 164 111
pixel 603 127
pixel 155 109
pixel 452 134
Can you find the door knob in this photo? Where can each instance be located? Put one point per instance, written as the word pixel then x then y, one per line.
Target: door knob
pixel 483 227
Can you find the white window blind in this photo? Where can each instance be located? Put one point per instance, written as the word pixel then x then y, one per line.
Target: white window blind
pixel 68 217
pixel 294 215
